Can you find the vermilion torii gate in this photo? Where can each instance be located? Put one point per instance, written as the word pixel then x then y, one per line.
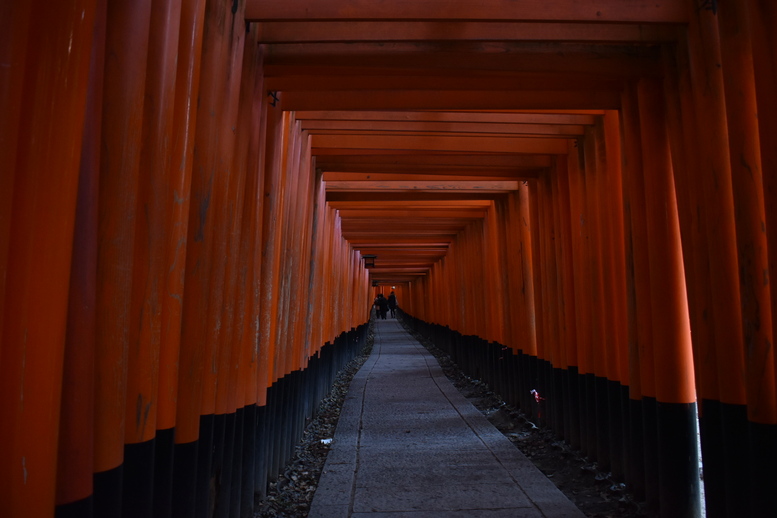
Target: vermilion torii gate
pixel 187 188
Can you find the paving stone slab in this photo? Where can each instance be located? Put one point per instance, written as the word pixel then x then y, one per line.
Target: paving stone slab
pixel 439 497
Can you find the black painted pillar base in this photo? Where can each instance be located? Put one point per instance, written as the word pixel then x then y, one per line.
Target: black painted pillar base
pixel 713 458
pixel 80 509
pixel 204 497
pixel 735 435
pixel 650 442
pixel 185 479
pixel 163 473
pixel 591 413
pixel 763 469
pixel 108 492
pixel 248 475
pixel 584 412
pixel 615 413
pixel 678 461
pixel 260 462
pixel 573 402
pixel 602 423
pixel 635 474
pixel 138 484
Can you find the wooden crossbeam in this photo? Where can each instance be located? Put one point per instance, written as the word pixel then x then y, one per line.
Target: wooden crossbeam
pixel 378 196
pixel 612 11
pixel 578 117
pixel 415 205
pixel 332 80
pixel 453 185
pixel 395 214
pixel 485 60
pixel 438 160
pixel 490 144
pixel 565 96
pixel 300 31
pixel 319 127
pixel 391 177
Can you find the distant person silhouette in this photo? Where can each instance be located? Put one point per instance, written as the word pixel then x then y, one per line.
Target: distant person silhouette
pixel 392 304
pixel 382 306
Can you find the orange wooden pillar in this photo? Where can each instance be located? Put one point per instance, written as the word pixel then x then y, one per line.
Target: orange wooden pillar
pixel 508 257
pixel 222 102
pixel 598 394
pixel 271 125
pixel 46 111
pixel 513 312
pixel 495 276
pixel 675 393
pixel 569 183
pixel 559 403
pixel 567 257
pixel 680 115
pixel 75 456
pixel 717 202
pixel 642 448
pixel 14 25
pixel 253 348
pixel 124 91
pixel 203 289
pixel 581 187
pixel 277 137
pixel 544 295
pixel 178 198
pixel 243 390
pixel 761 16
pixel 291 244
pixel 583 306
pixel 230 383
pixel 529 339
pixel 149 268
pixel 318 257
pixel 742 116
pixel 615 290
pixel 540 294
pixel 499 357
pixel 552 360
pixel 505 354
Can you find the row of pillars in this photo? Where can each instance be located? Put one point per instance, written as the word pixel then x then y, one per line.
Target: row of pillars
pixel 170 269
pixel 637 272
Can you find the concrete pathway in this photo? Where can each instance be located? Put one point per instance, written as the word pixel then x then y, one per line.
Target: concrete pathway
pixel 408 444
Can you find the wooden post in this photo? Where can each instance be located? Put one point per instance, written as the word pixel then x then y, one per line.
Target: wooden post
pixel 124 92
pixel 642 393
pixel 150 248
pixel 598 395
pixel 762 15
pixel 567 256
pixel 75 459
pixel 742 117
pixel 178 198
pixel 717 201
pixel 14 25
pixel 675 393
pixel 46 107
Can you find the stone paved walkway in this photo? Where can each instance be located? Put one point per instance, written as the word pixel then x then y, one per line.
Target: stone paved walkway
pixel 408 444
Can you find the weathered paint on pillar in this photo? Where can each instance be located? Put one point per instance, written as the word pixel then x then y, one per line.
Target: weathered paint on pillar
pixel 122 131
pixel 36 273
pixel 75 462
pixel 675 391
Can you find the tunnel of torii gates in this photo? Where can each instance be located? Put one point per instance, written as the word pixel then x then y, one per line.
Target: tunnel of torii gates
pixel 566 196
